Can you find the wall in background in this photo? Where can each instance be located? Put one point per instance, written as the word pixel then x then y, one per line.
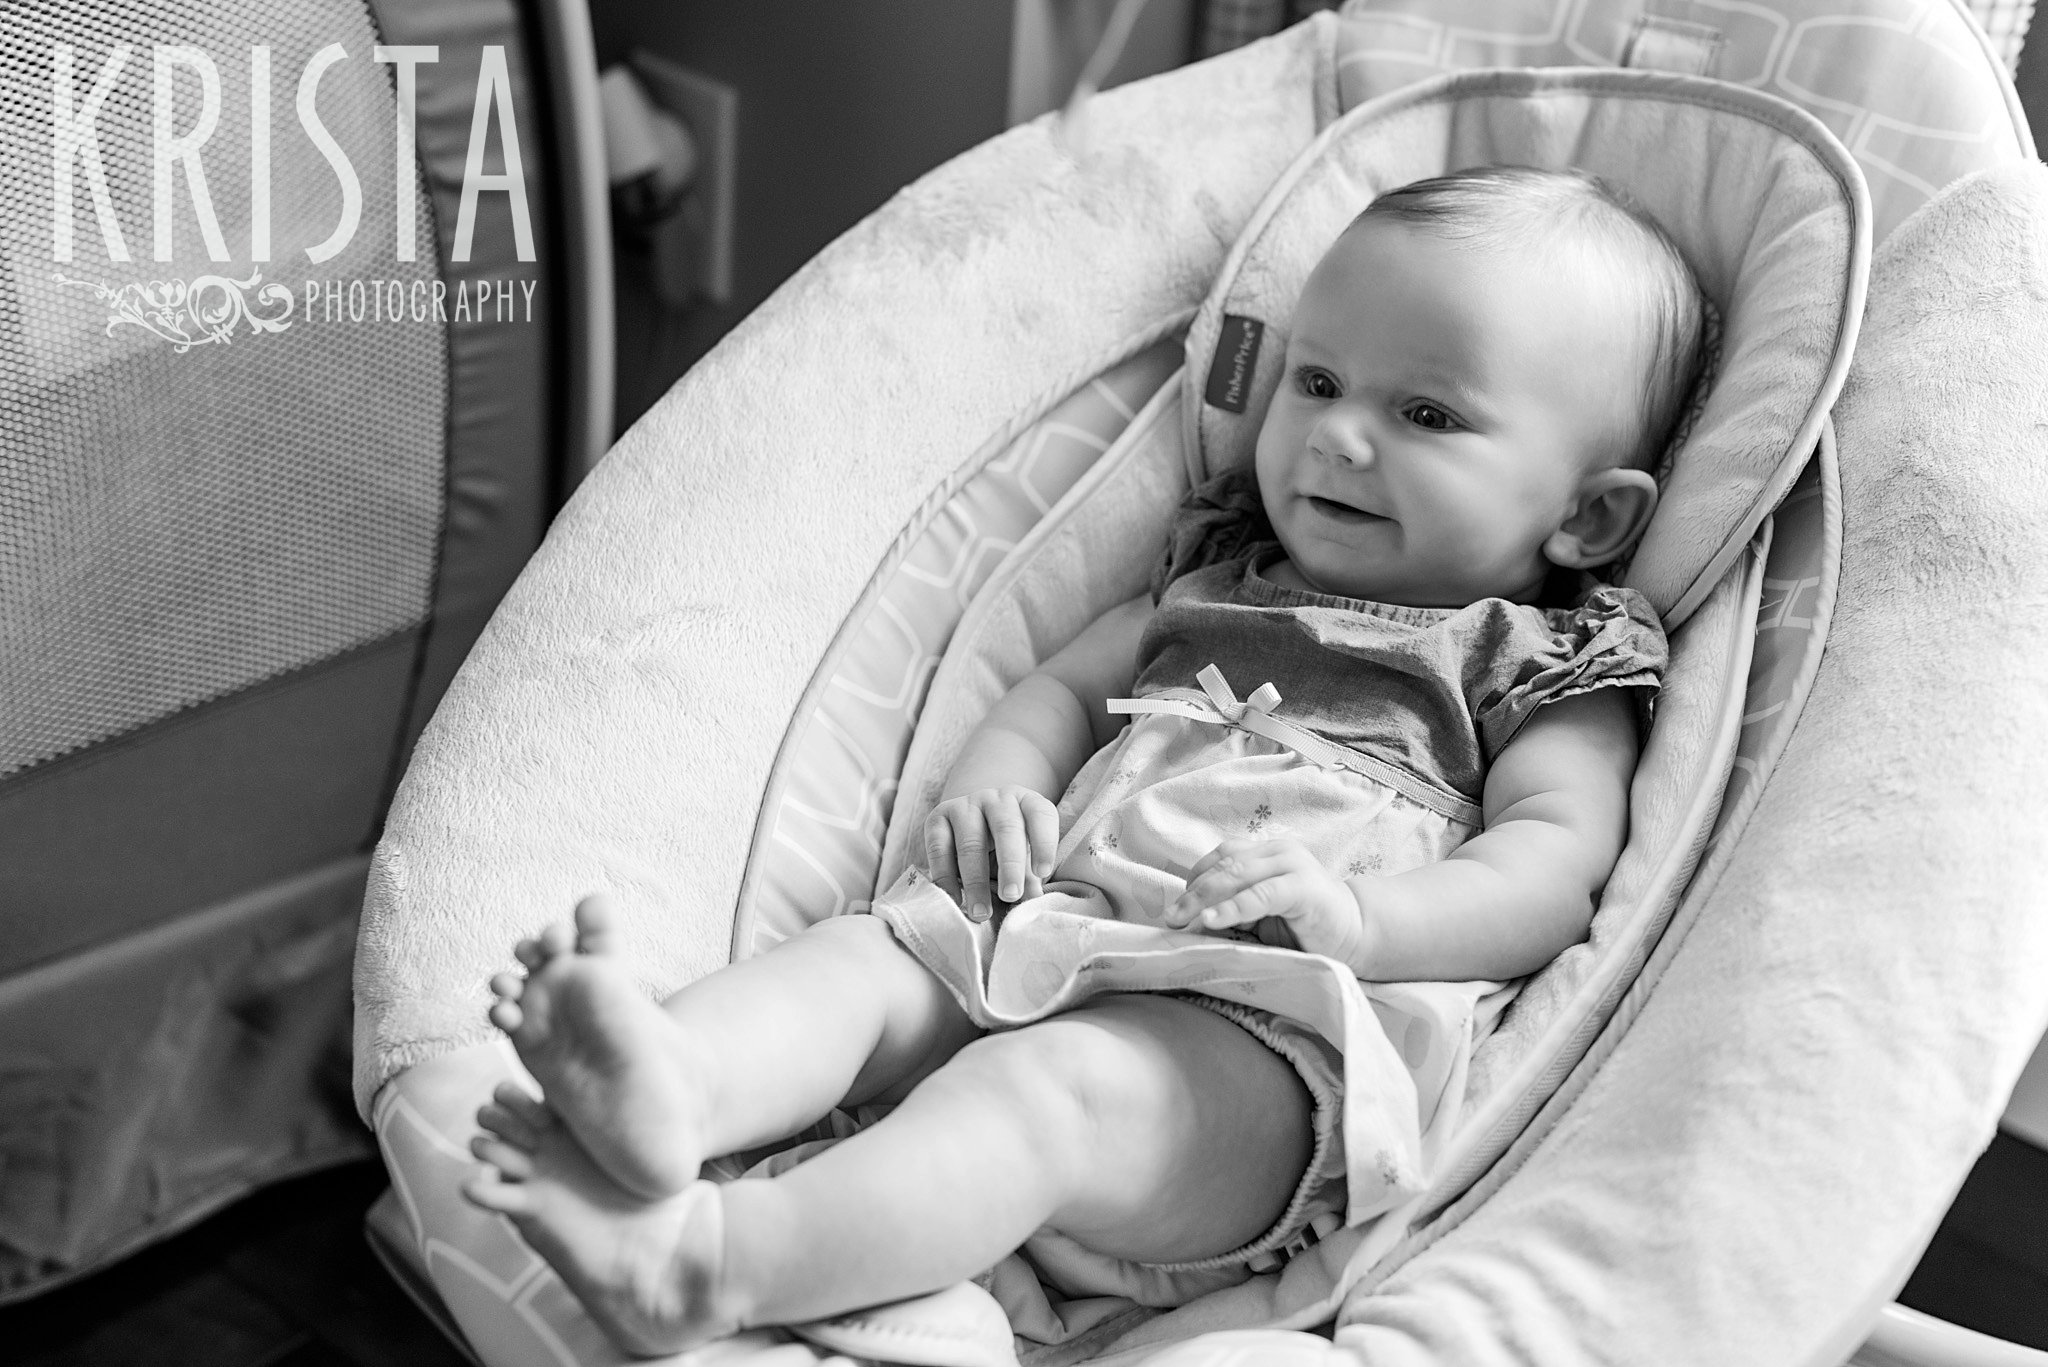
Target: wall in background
pixel 839 106
pixel 2032 80
pixel 1052 40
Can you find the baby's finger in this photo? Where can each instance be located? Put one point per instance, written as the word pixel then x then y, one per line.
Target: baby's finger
pixel 1186 910
pixel 1204 864
pixel 1042 827
pixel 940 860
pixel 1005 818
pixel 1267 897
pixel 1267 889
pixel 1229 874
pixel 1231 911
pixel 970 847
pixel 1235 848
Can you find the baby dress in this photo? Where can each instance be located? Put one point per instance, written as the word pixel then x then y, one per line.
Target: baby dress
pixel 1364 731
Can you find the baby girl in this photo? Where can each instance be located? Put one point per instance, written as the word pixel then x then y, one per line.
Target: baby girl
pixel 1432 788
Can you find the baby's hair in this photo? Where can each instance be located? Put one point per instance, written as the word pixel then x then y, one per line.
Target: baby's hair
pixel 1504 206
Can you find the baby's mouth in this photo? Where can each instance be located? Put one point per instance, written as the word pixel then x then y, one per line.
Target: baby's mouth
pixel 1341 512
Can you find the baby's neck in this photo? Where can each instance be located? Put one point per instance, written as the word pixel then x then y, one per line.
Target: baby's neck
pixel 1281 571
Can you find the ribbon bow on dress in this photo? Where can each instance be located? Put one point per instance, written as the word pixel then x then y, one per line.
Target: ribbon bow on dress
pixel 1219 706
pixel 1254 714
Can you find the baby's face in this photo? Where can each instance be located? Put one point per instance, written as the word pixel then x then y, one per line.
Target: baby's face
pixel 1440 406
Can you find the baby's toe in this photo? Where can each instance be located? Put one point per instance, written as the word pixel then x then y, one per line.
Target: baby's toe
pixel 513 1165
pixel 523 1105
pixel 507 1126
pixel 530 953
pixel 558 939
pixel 507 1016
pixel 597 926
pixel 508 986
pixel 492 1192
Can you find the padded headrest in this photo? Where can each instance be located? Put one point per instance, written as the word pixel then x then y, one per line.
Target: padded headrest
pixel 1768 208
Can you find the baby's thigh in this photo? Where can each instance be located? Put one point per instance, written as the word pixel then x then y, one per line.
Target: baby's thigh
pixel 1195 1134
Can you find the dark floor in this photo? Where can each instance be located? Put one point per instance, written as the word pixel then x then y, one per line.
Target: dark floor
pixel 1988 1265
pixel 285 1280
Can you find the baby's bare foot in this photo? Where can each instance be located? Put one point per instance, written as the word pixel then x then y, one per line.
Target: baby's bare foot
pixel 611 1064
pixel 649 1272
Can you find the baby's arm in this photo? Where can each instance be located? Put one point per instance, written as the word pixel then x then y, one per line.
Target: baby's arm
pixel 1504 903
pixel 1518 894
pixel 1000 792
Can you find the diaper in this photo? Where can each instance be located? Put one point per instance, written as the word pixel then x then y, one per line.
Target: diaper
pixel 1315 1210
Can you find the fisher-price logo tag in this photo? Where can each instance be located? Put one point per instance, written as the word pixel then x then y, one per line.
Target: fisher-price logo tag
pixel 1237 356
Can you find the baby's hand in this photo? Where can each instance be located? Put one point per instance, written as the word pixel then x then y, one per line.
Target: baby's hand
pixel 1016 826
pixel 1245 881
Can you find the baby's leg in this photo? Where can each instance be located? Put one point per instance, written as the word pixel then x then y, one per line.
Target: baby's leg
pixel 1142 1127
pixel 747 1055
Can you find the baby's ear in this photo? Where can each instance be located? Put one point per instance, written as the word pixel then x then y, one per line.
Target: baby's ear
pixel 1611 511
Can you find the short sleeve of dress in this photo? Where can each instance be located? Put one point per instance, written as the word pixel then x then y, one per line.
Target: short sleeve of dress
pixel 1217 521
pixel 1612 639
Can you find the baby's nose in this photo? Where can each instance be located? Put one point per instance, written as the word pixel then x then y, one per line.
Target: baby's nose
pixel 1342 440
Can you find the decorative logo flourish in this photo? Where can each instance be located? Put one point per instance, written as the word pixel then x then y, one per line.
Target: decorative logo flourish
pixel 207 310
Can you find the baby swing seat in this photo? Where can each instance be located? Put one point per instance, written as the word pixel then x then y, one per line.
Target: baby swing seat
pixel 728 687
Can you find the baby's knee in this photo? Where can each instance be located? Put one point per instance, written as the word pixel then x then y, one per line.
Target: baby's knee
pixel 1067 1076
pixel 857 935
pixel 882 990
pixel 1020 1075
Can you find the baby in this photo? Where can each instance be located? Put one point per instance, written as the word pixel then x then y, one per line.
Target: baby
pixel 1480 376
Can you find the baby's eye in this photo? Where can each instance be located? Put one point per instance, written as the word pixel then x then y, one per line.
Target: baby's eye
pixel 1316 384
pixel 1430 416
